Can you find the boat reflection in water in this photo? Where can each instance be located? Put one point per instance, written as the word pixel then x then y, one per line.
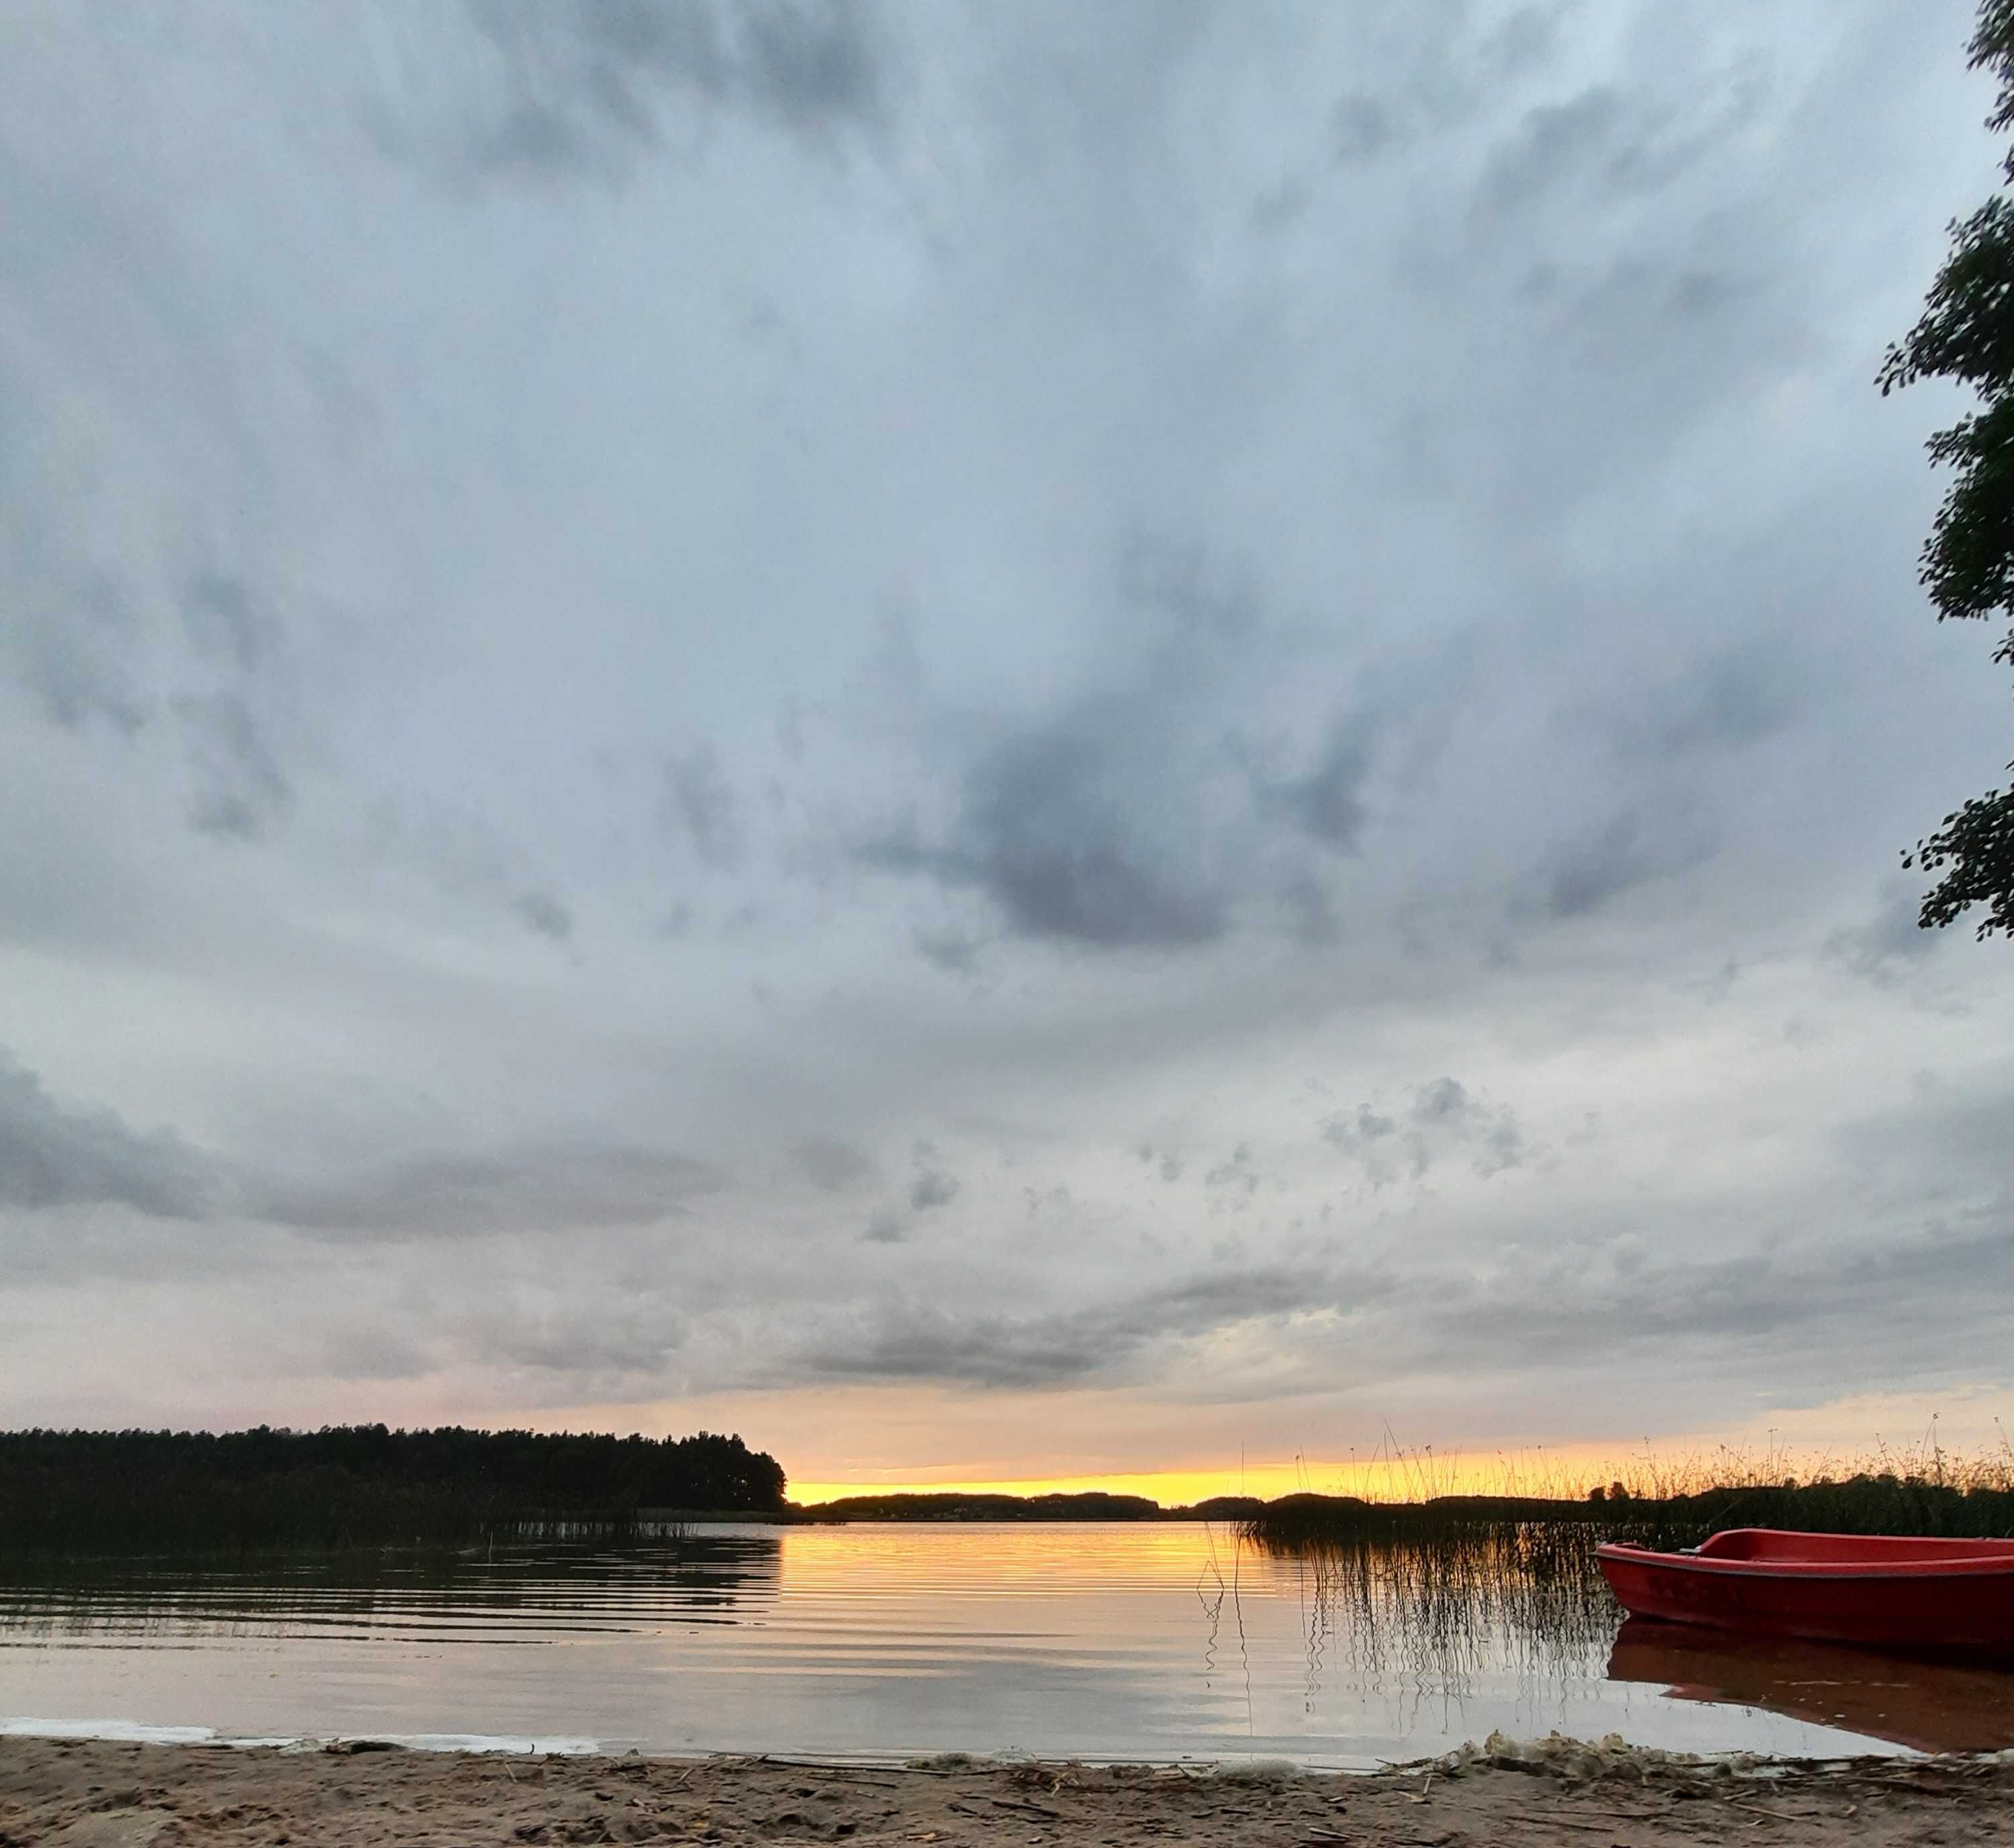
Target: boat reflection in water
pixel 1930 1706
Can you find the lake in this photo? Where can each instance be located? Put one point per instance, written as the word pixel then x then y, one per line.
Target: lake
pixel 1149 1641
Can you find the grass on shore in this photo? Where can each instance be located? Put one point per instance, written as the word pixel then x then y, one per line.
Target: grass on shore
pixel 1672 1501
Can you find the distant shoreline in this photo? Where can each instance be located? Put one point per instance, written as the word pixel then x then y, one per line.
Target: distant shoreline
pixel 76 1495
pixel 1864 1503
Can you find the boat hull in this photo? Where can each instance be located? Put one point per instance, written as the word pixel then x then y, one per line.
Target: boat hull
pixel 1945 1599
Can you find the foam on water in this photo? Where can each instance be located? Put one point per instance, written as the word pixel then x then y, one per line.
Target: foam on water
pixel 128 1732
pixel 139 1733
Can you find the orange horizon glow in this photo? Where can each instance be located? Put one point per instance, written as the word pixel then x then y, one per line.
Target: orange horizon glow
pixel 861 1441
pixel 1570 1471
pixel 1565 1471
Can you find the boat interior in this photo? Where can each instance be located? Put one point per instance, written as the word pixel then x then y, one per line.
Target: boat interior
pixel 1772 1544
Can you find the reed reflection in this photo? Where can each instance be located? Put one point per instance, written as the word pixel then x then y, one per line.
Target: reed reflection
pixel 1438 1612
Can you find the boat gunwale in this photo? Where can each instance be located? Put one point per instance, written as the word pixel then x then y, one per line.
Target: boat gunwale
pixel 1998 1562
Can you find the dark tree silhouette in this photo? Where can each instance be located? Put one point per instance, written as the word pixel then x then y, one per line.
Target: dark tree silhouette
pixel 80 1493
pixel 1967 334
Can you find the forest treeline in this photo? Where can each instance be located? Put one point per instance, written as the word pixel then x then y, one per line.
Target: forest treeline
pixel 81 1493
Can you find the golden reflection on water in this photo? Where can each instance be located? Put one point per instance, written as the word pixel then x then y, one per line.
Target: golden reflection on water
pixel 1135 1641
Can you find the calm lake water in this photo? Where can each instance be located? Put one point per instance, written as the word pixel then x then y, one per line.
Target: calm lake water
pixel 1128 1642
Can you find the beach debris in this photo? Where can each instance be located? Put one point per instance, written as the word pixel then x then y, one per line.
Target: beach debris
pixel 1260 1770
pixel 1576 1760
pixel 1042 1810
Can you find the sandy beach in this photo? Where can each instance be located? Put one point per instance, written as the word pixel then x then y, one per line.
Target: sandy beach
pixel 92 1794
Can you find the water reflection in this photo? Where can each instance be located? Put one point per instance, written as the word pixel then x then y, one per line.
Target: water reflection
pixel 1446 1612
pixel 491 1595
pixel 1929 1706
pixel 1152 1642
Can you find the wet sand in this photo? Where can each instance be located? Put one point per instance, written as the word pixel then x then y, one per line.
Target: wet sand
pixel 91 1794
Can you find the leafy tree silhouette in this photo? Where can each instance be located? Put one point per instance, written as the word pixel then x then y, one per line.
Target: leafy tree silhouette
pixel 1967 334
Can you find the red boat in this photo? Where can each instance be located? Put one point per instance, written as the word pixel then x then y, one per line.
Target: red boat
pixel 1941 1597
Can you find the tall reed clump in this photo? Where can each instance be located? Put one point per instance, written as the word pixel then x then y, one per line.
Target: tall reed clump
pixel 1666 1502
pixel 1435 1583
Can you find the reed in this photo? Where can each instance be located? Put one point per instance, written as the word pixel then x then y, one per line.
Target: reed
pixel 1553 1519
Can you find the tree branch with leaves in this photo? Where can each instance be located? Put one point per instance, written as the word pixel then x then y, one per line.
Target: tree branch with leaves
pixel 1967 334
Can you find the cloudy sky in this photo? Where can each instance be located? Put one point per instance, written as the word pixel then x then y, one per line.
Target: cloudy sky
pixel 999 741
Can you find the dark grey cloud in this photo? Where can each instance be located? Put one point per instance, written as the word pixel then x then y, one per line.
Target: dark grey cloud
pixel 552 1189
pixel 1889 944
pixel 1328 802
pixel 831 1165
pixel 1781 1315
pixel 931 1184
pixel 1445 1102
pixel 1168 806
pixel 1046 832
pixel 1628 144
pixel 72 644
pixel 1310 908
pixel 1554 144
pixel 1362 128
pixel 1234 1182
pixel 1377 1143
pixel 223 622
pixel 1500 1145
pixel 703 805
pixel 472 858
pixel 588 83
pixel 951 951
pixel 1199 594
pixel 886 1226
pixel 1528 39
pixel 1725 701
pixel 1354 1129
pixel 369 1352
pixel 1947 1143
pixel 548 915
pixel 517 1326
pixel 1579 877
pixel 628 1344
pixel 1281 206
pixel 919 1342
pixel 54 1155
pixel 240 789
pixel 1662 1283
pixel 1444 1120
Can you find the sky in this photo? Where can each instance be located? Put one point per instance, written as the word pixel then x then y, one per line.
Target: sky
pixel 1002 743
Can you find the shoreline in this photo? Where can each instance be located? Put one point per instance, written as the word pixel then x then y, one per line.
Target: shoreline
pixel 99 1793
